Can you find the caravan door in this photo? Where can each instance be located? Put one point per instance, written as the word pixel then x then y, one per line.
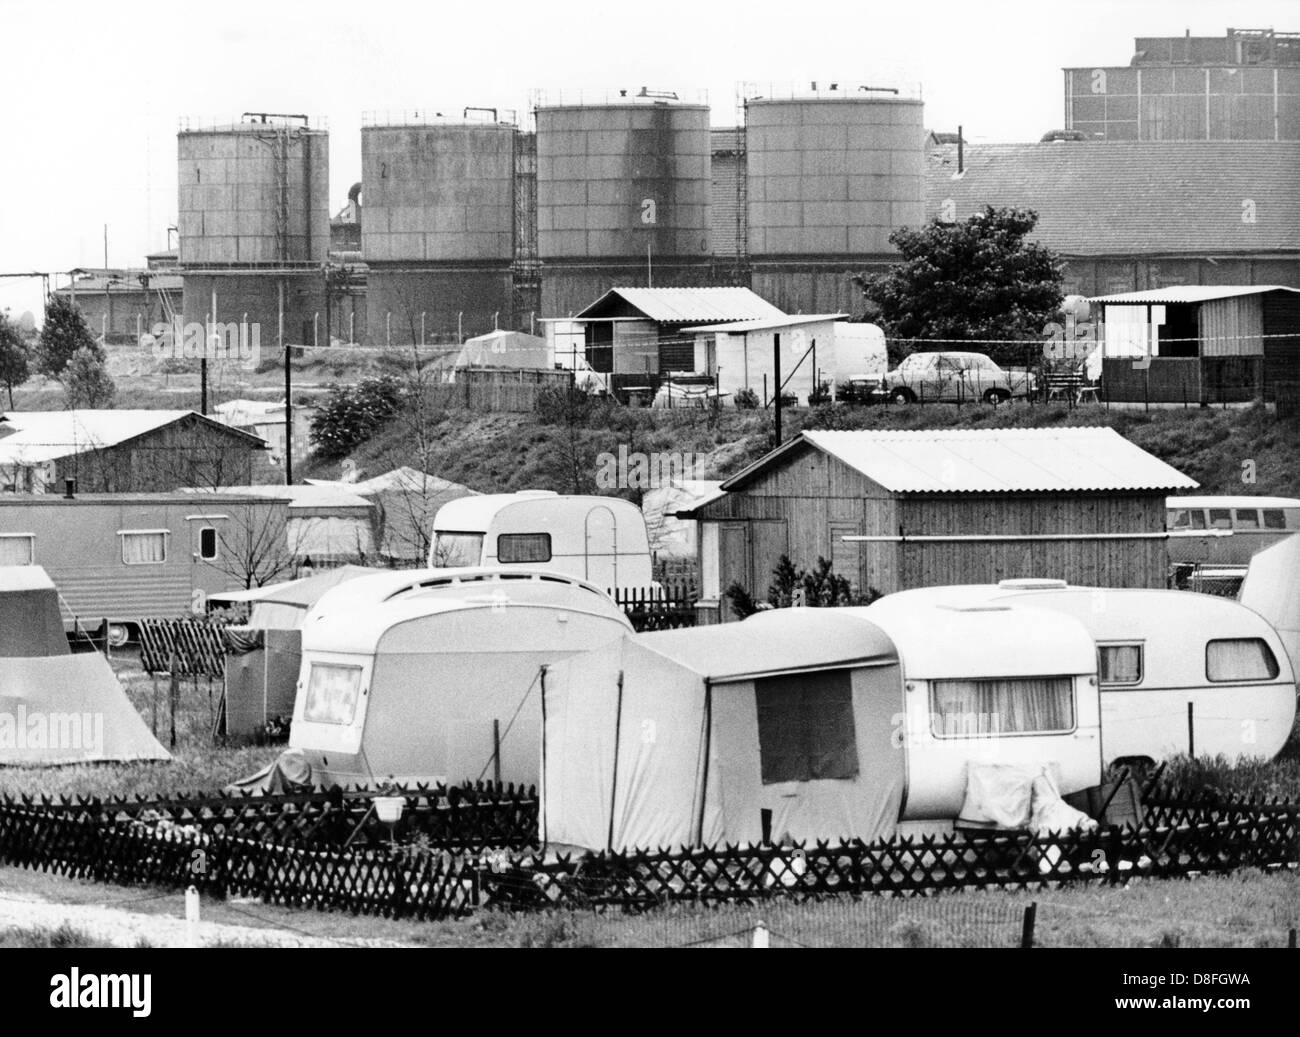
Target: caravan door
pixel 600 553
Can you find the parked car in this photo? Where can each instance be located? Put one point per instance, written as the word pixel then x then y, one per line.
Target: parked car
pixel 859 390
pixel 954 378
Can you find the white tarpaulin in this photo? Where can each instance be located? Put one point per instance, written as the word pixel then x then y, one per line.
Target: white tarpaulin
pixel 1272 588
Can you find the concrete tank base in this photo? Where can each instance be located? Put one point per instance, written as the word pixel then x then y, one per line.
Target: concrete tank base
pixel 405 304
pixel 806 285
pixel 255 297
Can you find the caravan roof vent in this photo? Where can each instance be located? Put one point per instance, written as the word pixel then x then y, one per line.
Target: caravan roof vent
pixel 1032 584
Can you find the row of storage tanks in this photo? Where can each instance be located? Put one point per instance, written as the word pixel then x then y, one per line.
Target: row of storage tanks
pixel 460 215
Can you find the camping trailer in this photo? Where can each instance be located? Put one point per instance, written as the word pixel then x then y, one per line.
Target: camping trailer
pixel 1177 670
pixel 118 558
pixel 1272 588
pixel 434 675
pixel 598 539
pixel 808 723
pixel 58 708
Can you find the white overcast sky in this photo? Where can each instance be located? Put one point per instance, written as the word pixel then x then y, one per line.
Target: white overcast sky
pixel 91 93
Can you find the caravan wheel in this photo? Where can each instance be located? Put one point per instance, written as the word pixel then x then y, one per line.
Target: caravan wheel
pixel 118 634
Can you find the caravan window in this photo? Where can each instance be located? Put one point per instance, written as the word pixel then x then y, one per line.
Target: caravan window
pixel 1119 664
pixel 1247 518
pixel 1240 659
pixel 1001 706
pixel 805 727
pixel 208 543
pixel 451 550
pixel 1274 518
pixel 524 547
pixel 332 693
pixel 144 546
pixel 1220 518
pixel 17 548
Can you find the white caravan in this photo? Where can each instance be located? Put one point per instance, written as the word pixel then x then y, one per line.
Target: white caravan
pixel 1177 670
pixel 434 676
pixel 598 539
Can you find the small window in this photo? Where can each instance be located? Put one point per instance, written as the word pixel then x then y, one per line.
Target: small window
pixel 1001 706
pixel 1240 659
pixel 1274 518
pixel 1247 518
pixel 207 543
pixel 805 727
pixel 1119 664
pixel 1220 518
pixel 523 547
pixel 332 693
pixel 1180 519
pixel 452 550
pixel 17 548
pixel 144 547
pixel 1198 519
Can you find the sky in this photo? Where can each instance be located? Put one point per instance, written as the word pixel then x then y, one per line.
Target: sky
pixel 92 94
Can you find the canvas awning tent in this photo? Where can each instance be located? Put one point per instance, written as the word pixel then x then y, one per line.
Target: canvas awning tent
pixel 266 652
pixel 687 737
pixel 55 707
pixel 512 349
pixel 1272 588
pixel 30 621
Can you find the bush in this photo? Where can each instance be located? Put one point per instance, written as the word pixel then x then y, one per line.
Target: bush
pixel 746 399
pixel 820 588
pixel 564 406
pixel 351 415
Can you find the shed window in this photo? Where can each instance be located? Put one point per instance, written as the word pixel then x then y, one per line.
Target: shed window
pixel 17 548
pixel 805 727
pixel 207 543
pixel 1001 706
pixel 144 547
pixel 1240 659
pixel 1274 518
pixel 524 547
pixel 1119 664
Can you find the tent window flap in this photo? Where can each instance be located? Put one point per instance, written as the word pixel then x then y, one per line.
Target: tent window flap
pixel 17 548
pixel 1001 706
pixel 805 727
pixel 147 547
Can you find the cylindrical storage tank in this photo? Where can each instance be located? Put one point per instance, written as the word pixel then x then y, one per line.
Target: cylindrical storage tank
pixel 253 193
pixel 622 197
pixel 439 228
pixel 828 179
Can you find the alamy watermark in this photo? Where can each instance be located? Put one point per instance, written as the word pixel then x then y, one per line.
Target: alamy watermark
pixel 33 729
pixel 635 470
pixel 235 341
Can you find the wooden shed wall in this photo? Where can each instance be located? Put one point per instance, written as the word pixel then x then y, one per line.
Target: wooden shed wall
pixel 189 452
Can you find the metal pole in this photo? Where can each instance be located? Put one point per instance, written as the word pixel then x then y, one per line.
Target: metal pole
pixel 776 376
pixel 288 399
pixel 1191 733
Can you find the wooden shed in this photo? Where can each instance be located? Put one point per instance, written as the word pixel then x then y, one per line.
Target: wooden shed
pixel 1206 344
pixel 894 510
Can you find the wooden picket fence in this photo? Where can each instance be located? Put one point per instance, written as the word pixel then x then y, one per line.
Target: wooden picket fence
pixel 666 607
pixel 458 850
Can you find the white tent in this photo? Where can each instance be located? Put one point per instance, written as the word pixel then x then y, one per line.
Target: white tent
pixel 696 737
pixel 512 349
pixel 1272 588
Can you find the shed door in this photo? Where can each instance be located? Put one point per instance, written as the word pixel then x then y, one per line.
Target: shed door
pixel 844 555
pixel 770 543
pixel 733 558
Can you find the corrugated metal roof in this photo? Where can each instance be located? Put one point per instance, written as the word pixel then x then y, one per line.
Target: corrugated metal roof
pixel 1059 460
pixel 45 435
pixel 1120 197
pixel 784 321
pixel 684 305
pixel 1190 293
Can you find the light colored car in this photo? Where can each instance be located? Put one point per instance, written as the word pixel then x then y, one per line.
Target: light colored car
pixel 954 378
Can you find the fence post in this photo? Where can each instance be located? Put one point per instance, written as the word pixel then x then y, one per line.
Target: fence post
pixel 1027 926
pixel 1191 732
pixel 1290 939
pixel 192 916
pixel 762 938
pixel 173 690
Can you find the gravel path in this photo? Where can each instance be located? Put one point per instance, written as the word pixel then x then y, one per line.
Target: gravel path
pixel 118 927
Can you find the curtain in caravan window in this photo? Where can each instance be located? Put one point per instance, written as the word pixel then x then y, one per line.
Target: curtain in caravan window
pixel 144 548
pixel 1019 705
pixel 1240 659
pixel 16 550
pixel 1119 664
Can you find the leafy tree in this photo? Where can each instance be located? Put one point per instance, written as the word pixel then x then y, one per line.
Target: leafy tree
pixel 86 381
pixel 62 335
pixel 977 279
pixel 14 361
pixel 352 414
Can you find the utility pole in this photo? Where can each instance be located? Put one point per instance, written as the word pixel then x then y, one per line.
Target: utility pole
pixel 776 384
pixel 288 398
pixel 203 356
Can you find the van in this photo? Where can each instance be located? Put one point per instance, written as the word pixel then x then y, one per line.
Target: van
pixel 602 540
pixel 1254 523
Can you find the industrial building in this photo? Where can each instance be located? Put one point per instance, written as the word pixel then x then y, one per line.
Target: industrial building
pixel 120 305
pixel 938 508
pixel 254 225
pixel 1242 86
